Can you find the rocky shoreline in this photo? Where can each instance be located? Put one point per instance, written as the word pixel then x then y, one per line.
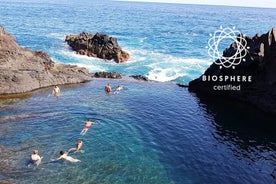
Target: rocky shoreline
pixel 253 81
pixel 23 70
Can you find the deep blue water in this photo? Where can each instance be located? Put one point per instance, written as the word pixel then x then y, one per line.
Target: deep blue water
pixel 151 132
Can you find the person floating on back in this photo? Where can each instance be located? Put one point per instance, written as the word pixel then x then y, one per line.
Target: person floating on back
pixel 107 89
pixel 64 155
pixel 77 148
pixel 118 89
pixel 36 159
pixel 56 92
pixel 87 126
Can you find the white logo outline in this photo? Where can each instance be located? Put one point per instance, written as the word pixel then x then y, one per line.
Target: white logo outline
pixel 239 42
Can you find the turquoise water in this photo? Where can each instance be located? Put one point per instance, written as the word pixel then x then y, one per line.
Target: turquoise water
pixel 150 132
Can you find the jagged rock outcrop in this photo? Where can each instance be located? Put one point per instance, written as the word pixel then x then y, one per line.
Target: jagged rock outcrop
pixel 257 82
pixel 111 75
pixel 140 77
pixel 23 70
pixel 98 45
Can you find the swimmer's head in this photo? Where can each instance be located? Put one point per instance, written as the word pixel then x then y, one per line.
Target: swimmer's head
pixel 35 151
pixel 61 152
pixel 79 141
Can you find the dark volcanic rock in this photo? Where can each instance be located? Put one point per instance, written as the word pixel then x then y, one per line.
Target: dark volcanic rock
pixel 139 77
pixel 182 85
pixel 260 64
pixel 98 45
pixel 23 70
pixel 111 75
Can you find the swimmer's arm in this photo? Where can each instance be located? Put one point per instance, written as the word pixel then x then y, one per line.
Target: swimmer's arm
pixel 62 156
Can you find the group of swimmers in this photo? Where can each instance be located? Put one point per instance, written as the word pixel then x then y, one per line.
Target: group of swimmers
pixel 108 89
pixel 36 158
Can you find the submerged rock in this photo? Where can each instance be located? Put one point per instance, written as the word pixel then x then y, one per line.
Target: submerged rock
pixel 98 45
pixel 23 70
pixel 4 161
pixel 252 81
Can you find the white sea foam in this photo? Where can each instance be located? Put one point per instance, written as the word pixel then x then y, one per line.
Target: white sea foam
pixel 156 66
pixel 91 63
pixel 175 68
pixel 165 67
pixel 141 40
pixel 164 75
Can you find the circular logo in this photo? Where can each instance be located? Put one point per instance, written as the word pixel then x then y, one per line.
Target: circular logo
pixel 239 45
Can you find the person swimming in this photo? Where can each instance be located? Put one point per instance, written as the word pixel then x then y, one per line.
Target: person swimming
pixel 35 158
pixel 77 148
pixel 87 126
pixel 64 156
pixel 56 91
pixel 118 89
pixel 107 89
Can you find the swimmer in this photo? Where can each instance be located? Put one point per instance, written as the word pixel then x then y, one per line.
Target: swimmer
pixel 56 91
pixel 64 155
pixel 36 159
pixel 77 148
pixel 107 89
pixel 118 89
pixel 87 126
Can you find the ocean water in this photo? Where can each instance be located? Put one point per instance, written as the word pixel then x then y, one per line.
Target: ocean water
pixel 151 132
pixel 167 42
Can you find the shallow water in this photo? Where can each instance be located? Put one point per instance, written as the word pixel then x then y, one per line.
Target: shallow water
pixel 148 133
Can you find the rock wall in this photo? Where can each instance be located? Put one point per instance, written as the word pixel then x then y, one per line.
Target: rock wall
pixel 23 70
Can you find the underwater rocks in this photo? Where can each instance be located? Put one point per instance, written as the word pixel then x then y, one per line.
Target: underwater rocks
pixel 23 70
pixel 253 80
pixel 98 45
